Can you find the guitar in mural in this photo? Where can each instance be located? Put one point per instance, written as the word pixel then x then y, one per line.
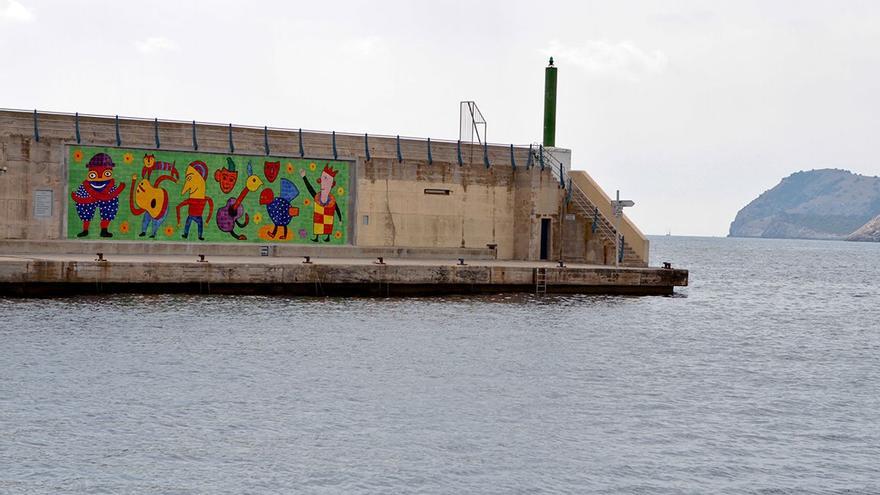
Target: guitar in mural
pixel 148 199
pixel 195 197
pixel 228 216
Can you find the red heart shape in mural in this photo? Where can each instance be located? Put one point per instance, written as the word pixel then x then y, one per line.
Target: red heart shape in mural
pixel 271 169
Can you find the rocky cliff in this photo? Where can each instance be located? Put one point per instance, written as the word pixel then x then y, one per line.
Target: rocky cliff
pixel 868 232
pixel 818 204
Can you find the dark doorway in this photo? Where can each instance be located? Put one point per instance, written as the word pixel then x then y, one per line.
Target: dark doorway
pixel 545 238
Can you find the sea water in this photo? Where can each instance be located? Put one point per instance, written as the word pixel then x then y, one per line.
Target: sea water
pixel 763 376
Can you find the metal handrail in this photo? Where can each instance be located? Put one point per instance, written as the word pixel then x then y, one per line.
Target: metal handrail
pixel 580 199
pixel 254 127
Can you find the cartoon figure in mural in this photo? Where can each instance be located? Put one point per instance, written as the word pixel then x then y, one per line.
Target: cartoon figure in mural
pixel 279 209
pixel 325 203
pixel 100 191
pixel 228 215
pixel 151 164
pixel 194 183
pixel 148 199
pixel 226 176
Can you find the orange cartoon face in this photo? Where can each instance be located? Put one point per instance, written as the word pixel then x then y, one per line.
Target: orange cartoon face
pixel 227 179
pixel 99 178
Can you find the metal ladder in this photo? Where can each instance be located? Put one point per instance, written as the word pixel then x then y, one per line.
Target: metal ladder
pixel 540 281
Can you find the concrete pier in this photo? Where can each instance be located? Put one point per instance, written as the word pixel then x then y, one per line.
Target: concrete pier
pixel 76 274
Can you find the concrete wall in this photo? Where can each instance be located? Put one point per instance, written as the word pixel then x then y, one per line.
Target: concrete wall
pixel 634 237
pixel 499 205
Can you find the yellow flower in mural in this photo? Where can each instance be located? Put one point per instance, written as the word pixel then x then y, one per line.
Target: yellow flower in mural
pixel 306 202
pixel 78 156
pixel 289 168
pixel 340 191
pixel 313 166
pixel 258 218
pixel 123 227
pixel 128 158
pixel 169 230
pixel 338 234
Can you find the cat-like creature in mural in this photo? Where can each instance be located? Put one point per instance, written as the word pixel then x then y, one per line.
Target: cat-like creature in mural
pixel 279 209
pixel 324 203
pixel 151 164
pixel 149 199
pixel 194 184
pixel 228 216
pixel 99 191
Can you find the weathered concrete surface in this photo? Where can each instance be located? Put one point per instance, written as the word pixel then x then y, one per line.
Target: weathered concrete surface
pixel 232 249
pixel 33 275
pixel 502 204
pixel 494 205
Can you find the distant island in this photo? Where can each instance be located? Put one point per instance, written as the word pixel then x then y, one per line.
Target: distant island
pixel 817 204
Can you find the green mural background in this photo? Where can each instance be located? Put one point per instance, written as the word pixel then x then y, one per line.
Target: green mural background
pixel 151 179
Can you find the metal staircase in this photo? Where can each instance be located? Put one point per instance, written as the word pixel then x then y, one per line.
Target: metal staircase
pixel 582 205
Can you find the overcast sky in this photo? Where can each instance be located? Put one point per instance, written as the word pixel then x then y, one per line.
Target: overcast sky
pixel 690 108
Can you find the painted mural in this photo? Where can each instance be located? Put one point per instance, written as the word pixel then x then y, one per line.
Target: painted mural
pixel 184 196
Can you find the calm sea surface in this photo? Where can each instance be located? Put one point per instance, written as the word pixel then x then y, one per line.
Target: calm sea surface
pixel 763 376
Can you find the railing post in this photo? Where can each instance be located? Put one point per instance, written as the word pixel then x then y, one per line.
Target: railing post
pixel 156 132
pixel 195 139
pixel 458 152
pixel 335 154
pixel 561 176
pixel 302 151
pixel 512 158
pixel 486 154
pixel 430 158
pixel 231 142
pixel 76 128
pixel 118 136
pixel 529 160
pixel 266 139
pixel 541 156
pixel 367 146
pixel 399 154
pixel 36 127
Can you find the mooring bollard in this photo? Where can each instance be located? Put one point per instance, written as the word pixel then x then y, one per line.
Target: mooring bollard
pixel 461 262
pixel 380 260
pixel 561 264
pixel 307 260
pixel 100 257
pixel 667 265
pixel 202 259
